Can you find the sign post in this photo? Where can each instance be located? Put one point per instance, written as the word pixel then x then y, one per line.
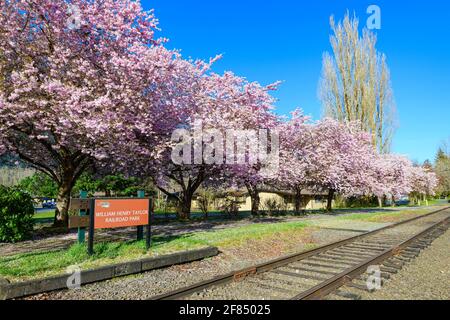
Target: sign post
pixel 82 212
pixel 151 210
pixel 91 226
pixel 140 229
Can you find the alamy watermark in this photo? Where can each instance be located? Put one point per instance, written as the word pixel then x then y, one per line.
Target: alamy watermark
pixel 74 279
pixel 74 21
pixel 374 281
pixel 229 147
pixel 374 20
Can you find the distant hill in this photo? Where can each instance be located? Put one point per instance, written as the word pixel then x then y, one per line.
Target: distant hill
pixel 11 176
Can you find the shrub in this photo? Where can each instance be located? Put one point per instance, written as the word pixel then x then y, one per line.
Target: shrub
pixel 356 202
pixel 230 207
pixel 275 207
pixel 39 185
pixel 205 200
pixel 16 214
pixel 271 206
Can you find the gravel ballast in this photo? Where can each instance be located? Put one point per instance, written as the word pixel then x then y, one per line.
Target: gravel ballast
pixel 425 278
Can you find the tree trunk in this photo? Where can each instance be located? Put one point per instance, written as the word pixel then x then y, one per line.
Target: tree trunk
pixel 330 200
pixel 298 201
pixel 425 199
pixel 256 201
pixel 186 206
pixel 255 198
pixel 62 203
pixel 380 202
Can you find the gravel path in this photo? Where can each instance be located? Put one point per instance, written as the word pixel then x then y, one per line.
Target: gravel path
pixel 425 278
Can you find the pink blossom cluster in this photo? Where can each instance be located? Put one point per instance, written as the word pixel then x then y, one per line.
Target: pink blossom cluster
pixel 328 155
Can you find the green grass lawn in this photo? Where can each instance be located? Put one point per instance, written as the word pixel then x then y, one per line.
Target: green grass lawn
pixel 44 216
pixel 37 265
pixel 386 217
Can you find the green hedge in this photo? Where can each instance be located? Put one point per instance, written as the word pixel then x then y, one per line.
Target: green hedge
pixel 16 214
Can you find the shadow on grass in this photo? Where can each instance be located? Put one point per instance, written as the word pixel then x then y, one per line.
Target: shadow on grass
pixel 40 264
pixel 216 220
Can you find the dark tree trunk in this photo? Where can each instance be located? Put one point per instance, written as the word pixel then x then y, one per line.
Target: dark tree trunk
pixel 298 201
pixel 65 170
pixel 63 201
pixel 330 200
pixel 71 173
pixel 189 186
pixel 62 208
pixel 255 198
pixel 184 201
pixel 186 205
pixel 256 201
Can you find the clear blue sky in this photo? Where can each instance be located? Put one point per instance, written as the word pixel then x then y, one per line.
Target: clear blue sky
pixel 268 40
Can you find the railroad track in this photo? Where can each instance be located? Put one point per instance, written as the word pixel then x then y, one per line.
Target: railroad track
pixel 338 269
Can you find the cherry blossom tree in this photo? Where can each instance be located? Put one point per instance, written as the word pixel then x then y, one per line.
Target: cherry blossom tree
pixel 297 154
pixel 342 159
pixel 423 183
pixel 221 104
pixel 390 177
pixel 326 156
pixel 74 77
pixel 261 159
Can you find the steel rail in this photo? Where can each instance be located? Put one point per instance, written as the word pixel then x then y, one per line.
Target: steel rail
pixel 264 267
pixel 323 289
